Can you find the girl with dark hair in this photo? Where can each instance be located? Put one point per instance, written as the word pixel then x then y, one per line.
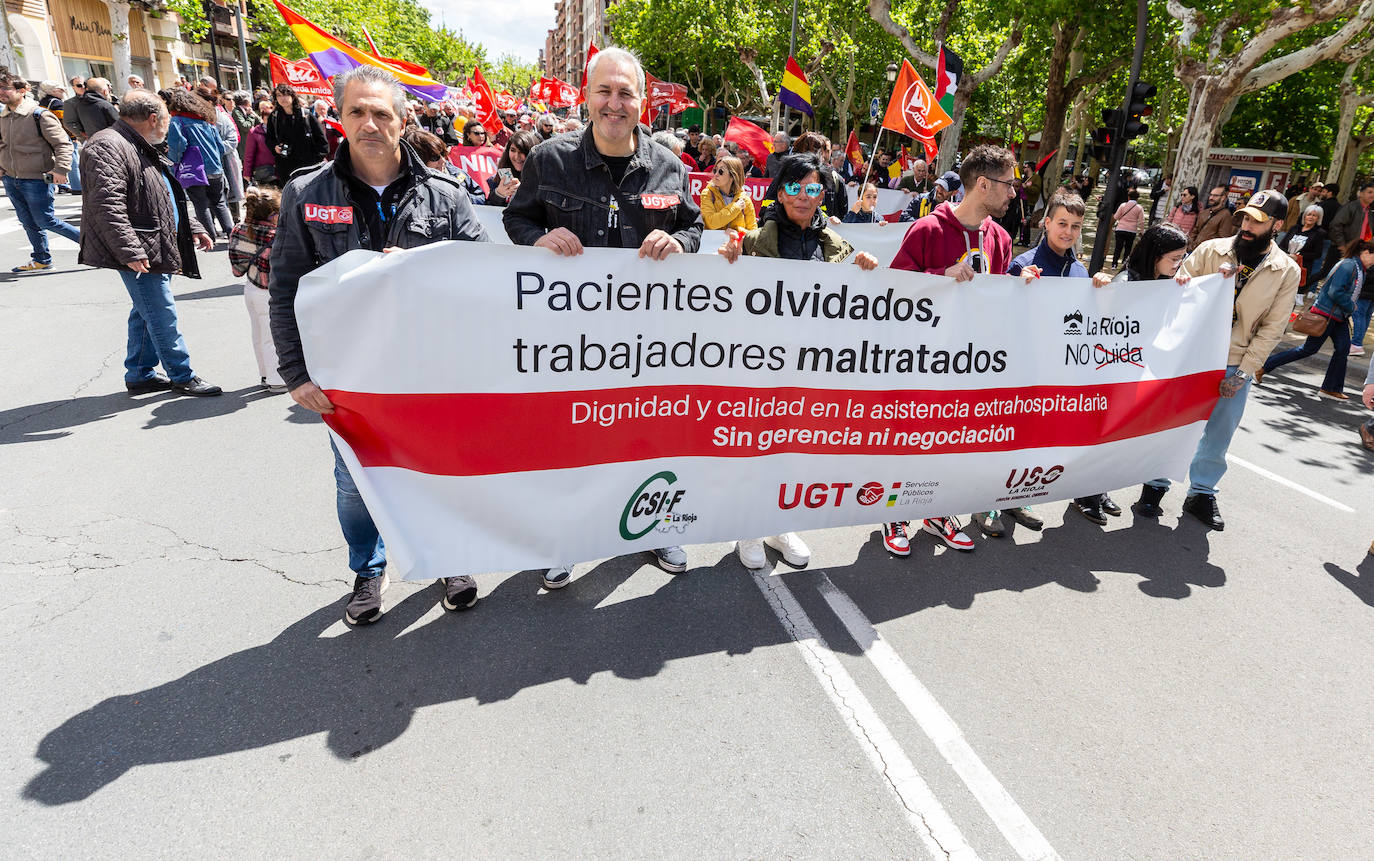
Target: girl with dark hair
pixel 294 134
pixel 194 146
pixel 499 189
pixel 1336 302
pixel 1184 215
pixel 793 228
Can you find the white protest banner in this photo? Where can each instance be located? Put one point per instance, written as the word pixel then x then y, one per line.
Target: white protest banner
pixel 503 408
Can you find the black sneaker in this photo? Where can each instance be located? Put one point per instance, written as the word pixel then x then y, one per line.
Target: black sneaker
pixel 1024 516
pixel 1109 507
pixel 1148 504
pixel 1203 506
pixel 157 383
pixel 197 388
pixel 365 607
pixel 460 592
pixel 1091 508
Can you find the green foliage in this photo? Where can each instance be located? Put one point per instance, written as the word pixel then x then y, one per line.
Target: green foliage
pixel 1298 114
pixel 511 73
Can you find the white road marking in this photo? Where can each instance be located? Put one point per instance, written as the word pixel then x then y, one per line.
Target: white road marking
pixel 937 831
pixel 1339 506
pixel 1010 819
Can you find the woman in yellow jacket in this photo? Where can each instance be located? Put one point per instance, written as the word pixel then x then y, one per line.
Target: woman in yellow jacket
pixel 725 202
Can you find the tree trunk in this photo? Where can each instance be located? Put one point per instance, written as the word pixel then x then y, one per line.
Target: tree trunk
pixel 1207 100
pixel 8 57
pixel 949 138
pixel 1345 144
pixel 1055 109
pixel 119 30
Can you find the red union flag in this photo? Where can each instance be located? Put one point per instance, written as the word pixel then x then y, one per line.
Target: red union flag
pixel 483 99
pixel 560 94
pixel 302 75
pixel 913 110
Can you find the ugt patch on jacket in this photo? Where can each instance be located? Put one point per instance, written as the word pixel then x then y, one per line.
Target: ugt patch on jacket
pixel 328 214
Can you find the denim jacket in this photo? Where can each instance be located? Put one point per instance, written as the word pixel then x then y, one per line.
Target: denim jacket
pixel 565 183
pixel 1337 298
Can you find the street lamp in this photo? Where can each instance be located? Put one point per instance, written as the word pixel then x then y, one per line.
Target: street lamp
pixel 891 73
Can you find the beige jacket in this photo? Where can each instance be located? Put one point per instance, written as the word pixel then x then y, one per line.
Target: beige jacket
pixel 1262 309
pixel 24 153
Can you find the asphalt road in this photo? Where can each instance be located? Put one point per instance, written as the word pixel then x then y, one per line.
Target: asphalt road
pixel 178 681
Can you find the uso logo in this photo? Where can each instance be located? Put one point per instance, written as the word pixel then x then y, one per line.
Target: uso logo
pixel 870 493
pixel 328 214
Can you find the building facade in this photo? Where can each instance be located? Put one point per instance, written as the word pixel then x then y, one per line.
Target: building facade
pixel 577 24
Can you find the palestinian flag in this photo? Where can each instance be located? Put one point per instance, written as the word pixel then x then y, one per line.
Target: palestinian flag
pixel 947 74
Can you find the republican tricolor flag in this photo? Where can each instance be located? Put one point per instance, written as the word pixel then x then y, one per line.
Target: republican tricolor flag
pixel 795 90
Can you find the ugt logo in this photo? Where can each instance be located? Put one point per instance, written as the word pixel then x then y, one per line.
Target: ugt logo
pixel 1033 478
pixel 647 507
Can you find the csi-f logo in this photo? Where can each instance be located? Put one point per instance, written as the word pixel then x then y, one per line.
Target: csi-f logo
pixel 1073 323
pixel 652 503
pixel 1034 477
pixel 328 214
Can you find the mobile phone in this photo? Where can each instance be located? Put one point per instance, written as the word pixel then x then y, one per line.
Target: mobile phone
pixel 47 177
pixel 506 175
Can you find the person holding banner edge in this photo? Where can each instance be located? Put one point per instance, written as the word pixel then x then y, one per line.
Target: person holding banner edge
pixel 794 228
pixel 607 186
pixel 960 242
pixel 370 196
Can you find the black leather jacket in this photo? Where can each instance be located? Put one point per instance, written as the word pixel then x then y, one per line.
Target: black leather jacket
pixel 565 183
pixel 311 232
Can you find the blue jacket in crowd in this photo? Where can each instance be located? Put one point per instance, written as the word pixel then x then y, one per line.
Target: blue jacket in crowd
pixel 1042 255
pixel 1337 297
pixel 185 131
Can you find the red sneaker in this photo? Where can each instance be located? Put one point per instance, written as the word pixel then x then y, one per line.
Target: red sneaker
pixel 947 530
pixel 895 540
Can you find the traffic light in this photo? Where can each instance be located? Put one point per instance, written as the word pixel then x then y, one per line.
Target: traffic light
pixel 1140 106
pixel 1104 137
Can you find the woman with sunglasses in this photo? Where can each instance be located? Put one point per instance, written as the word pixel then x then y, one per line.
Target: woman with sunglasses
pixel 500 190
pixel 793 228
pixel 725 202
pixel 474 134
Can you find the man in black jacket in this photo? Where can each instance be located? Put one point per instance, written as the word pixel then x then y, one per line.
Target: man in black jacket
pixel 135 220
pixel 94 109
pixel 333 210
pixel 608 186
pixel 438 125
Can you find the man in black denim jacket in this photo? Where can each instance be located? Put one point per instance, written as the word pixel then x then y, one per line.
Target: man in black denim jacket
pixel 609 185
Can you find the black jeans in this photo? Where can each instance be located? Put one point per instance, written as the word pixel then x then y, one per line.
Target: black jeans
pixel 1125 241
pixel 209 204
pixel 1339 333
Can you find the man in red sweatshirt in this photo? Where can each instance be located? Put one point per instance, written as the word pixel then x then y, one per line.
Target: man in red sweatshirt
pixel 961 241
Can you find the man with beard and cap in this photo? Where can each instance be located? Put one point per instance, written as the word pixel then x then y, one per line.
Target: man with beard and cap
pixel 923 204
pixel 1266 280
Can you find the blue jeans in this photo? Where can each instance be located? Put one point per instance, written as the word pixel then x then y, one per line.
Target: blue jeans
pixel 154 337
pixel 1209 461
pixel 1363 307
pixel 74 176
pixel 1339 333
pixel 33 200
pixel 366 552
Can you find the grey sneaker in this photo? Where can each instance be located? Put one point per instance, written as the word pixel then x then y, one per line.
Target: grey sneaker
pixel 557 576
pixel 671 559
pixel 991 523
pixel 460 592
pixel 365 607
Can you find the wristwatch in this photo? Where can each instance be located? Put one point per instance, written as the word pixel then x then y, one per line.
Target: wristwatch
pixel 1243 376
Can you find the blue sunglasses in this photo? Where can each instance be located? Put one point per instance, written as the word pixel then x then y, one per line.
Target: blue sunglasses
pixel 813 189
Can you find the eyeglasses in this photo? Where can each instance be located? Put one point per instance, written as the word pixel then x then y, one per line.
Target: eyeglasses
pixel 720 171
pixel 813 189
pixel 1010 184
pixel 479 133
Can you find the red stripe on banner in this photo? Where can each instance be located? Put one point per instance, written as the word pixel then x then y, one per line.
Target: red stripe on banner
pixel 490 434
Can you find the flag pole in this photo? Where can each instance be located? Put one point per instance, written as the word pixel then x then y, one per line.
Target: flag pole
pixel 868 169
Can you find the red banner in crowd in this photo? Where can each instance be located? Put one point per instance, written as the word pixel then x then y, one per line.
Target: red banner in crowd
pixel 478 162
pixel 506 101
pixel 757 188
pixel 301 75
pixel 558 93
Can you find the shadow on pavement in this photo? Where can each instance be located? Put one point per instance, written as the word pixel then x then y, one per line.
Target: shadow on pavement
pixel 348 686
pixel 1361 583
pixel 235 289
pixel 1304 411
pixel 363 686
pixel 55 419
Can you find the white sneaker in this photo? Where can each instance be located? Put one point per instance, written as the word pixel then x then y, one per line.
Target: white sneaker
pixel 557 577
pixel 751 554
pixel 794 551
pixel 1357 350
